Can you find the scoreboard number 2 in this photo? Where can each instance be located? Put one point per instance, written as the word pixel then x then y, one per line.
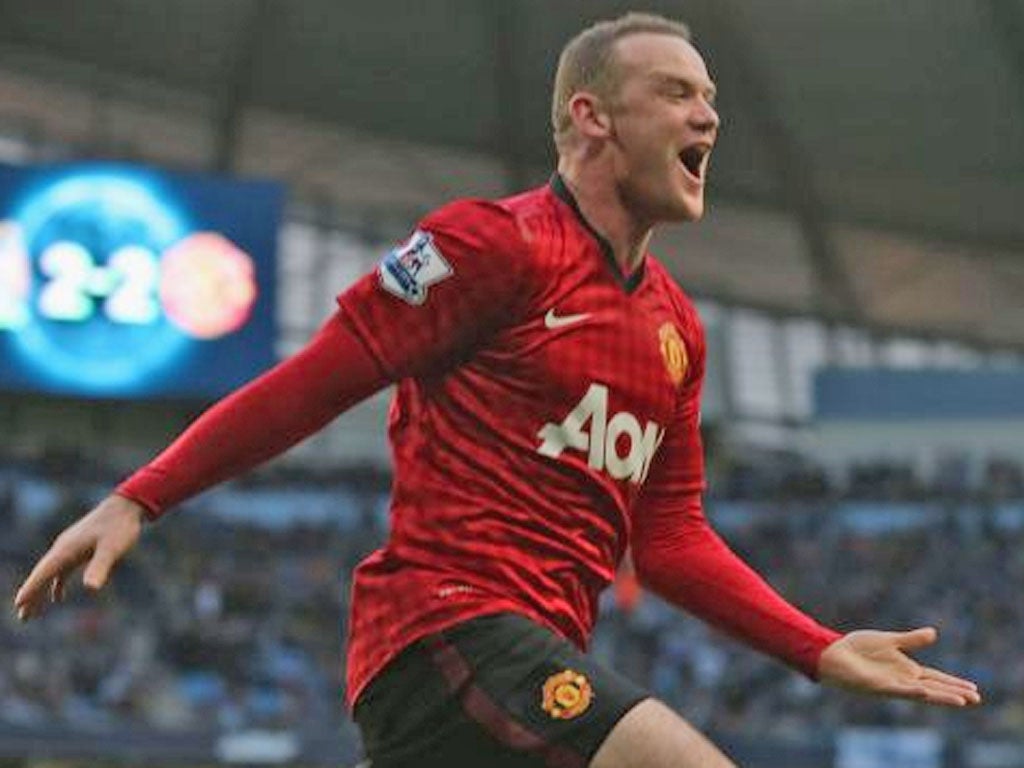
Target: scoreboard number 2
pixel 203 284
pixel 127 285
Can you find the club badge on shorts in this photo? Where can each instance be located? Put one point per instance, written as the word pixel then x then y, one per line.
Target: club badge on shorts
pixel 409 270
pixel 674 353
pixel 566 695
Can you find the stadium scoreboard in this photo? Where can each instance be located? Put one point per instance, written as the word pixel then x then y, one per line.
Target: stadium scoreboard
pixel 118 281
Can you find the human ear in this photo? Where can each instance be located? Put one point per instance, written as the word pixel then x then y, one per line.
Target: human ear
pixel 589 116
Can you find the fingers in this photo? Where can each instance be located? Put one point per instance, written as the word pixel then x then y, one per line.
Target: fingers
pixel 49 578
pixel 62 558
pixel 930 693
pixel 948 695
pixel 101 537
pixel 57 589
pixel 98 570
pixel 930 673
pixel 935 687
pixel 954 685
pixel 916 639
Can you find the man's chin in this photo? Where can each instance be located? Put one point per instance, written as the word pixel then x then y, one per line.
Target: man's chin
pixel 694 213
pixel 676 208
pixel 687 210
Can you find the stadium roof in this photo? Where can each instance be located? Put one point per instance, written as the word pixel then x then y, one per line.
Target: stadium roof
pixel 890 133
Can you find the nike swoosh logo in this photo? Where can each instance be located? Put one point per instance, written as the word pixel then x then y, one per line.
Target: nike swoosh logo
pixel 553 321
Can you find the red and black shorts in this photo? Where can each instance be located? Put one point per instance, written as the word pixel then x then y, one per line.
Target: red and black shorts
pixel 497 691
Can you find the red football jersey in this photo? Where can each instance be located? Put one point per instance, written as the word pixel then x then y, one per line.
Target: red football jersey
pixel 536 387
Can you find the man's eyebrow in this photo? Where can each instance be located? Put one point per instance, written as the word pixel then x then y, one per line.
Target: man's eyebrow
pixel 708 88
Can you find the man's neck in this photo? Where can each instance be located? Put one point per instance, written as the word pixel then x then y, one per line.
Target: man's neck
pixel 602 207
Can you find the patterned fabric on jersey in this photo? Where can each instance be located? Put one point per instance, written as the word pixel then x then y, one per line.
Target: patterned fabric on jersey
pixel 536 385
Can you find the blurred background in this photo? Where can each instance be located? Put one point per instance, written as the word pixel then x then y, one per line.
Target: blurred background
pixel 184 188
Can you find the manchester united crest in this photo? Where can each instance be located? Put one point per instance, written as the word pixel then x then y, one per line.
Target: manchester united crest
pixel 566 695
pixel 673 351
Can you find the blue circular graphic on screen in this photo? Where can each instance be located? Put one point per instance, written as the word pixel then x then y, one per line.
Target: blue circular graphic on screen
pixel 94 239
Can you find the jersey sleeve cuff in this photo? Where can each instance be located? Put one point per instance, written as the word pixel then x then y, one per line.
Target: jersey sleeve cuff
pixel 151 509
pixel 809 659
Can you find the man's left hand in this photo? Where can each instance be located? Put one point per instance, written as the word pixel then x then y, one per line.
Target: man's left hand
pixel 870 661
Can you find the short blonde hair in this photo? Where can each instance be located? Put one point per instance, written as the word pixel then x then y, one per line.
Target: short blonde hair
pixel 587 64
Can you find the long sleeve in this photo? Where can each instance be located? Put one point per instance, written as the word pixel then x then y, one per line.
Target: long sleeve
pixel 262 419
pixel 442 294
pixel 431 301
pixel 678 556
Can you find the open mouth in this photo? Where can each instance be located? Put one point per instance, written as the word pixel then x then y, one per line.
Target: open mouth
pixel 694 159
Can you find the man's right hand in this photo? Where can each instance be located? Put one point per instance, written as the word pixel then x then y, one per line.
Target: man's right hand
pixel 99 539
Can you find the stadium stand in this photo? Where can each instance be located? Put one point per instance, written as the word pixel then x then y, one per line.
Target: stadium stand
pixel 232 615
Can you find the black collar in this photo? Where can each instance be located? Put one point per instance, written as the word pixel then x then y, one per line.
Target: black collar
pixel 562 191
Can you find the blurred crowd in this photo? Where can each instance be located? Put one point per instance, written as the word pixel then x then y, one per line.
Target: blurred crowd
pixel 231 615
pixel 787 476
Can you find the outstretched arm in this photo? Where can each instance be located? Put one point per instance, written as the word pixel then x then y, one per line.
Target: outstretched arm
pixel 679 557
pixel 431 301
pixel 259 421
pixel 262 419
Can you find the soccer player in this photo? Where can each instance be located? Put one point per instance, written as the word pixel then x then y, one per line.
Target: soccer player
pixel 546 419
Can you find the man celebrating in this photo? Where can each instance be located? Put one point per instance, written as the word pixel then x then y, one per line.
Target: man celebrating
pixel 546 418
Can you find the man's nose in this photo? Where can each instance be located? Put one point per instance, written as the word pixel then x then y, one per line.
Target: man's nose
pixel 704 118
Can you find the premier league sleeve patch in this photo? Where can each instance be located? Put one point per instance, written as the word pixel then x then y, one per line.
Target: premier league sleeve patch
pixel 410 269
